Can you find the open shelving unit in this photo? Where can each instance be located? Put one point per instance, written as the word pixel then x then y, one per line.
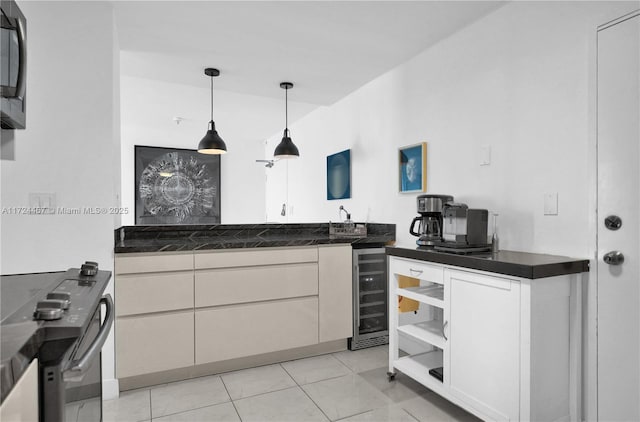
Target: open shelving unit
pixel 420 334
pixel 427 331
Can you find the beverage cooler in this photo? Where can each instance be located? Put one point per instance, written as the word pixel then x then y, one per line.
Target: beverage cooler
pixel 370 297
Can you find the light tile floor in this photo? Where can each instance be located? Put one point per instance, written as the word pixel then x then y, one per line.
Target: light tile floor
pixel 349 386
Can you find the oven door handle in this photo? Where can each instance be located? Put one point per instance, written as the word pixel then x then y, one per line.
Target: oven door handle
pixel 79 367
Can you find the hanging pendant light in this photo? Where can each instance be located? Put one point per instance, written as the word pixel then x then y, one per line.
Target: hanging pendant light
pixel 286 148
pixel 212 143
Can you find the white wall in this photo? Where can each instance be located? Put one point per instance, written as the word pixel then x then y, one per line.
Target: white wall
pixel 517 80
pixel 148 109
pixel 522 81
pixel 69 146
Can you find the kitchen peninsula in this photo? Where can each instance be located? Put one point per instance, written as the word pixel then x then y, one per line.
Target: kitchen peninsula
pixel 497 334
pixel 198 300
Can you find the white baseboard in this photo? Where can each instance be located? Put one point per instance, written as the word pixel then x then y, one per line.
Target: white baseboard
pixel 110 389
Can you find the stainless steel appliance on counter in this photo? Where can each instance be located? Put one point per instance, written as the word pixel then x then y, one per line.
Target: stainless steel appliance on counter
pixel 13 66
pixel 62 310
pixel 464 229
pixel 430 221
pixel 370 307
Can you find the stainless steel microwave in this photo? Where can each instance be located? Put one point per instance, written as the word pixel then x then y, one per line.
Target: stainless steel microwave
pixel 13 66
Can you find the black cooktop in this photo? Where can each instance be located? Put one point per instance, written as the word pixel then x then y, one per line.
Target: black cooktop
pixel 23 335
pixel 19 289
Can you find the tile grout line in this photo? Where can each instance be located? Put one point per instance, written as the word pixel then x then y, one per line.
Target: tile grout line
pixel 305 393
pixel 198 407
pixel 342 362
pixel 262 394
pixel 191 410
pixel 409 413
pixel 231 398
pixel 150 407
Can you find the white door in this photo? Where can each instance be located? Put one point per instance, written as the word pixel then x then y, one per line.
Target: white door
pixel 619 195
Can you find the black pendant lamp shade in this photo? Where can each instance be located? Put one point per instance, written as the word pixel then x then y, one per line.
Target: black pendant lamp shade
pixel 212 143
pixel 286 148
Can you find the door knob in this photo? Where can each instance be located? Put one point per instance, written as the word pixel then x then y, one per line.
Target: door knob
pixel 614 258
pixel 613 222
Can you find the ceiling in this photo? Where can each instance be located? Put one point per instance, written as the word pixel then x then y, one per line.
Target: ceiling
pixel 327 49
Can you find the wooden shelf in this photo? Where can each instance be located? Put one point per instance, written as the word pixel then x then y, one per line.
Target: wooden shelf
pixel 370 304
pixel 372 292
pixel 431 295
pixel 371 261
pixel 373 315
pixel 428 332
pixel 376 272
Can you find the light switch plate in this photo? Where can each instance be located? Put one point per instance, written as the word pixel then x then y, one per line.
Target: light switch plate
pixel 485 155
pixel 551 203
pixel 42 203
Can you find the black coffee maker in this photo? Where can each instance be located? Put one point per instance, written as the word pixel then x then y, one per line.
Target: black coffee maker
pixel 430 221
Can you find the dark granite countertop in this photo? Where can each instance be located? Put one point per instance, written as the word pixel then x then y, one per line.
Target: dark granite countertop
pixel 519 264
pixel 133 239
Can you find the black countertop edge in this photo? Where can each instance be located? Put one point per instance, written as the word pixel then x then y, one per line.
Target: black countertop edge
pixel 175 238
pixel 243 231
pixel 178 245
pixel 513 263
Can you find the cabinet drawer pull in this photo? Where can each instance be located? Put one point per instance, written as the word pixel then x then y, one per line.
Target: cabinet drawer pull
pixel 417 272
pixel 443 327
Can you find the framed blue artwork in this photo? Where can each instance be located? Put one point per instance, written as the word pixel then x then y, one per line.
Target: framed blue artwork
pixel 339 175
pixel 412 166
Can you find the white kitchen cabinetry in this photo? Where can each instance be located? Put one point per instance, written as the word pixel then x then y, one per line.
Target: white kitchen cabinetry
pixel 154 343
pixel 483 342
pixel 224 333
pixel 179 310
pixel 154 313
pixel 508 346
pixel 254 302
pixel 22 402
pixel 335 292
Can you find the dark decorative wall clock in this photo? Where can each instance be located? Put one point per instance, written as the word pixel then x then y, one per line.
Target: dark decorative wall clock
pixel 176 186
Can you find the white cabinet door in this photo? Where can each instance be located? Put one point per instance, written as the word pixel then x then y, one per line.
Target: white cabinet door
pixel 483 334
pixel 229 332
pixel 22 402
pixel 154 343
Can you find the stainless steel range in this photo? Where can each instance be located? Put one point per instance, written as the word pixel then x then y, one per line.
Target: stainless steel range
pixel 60 316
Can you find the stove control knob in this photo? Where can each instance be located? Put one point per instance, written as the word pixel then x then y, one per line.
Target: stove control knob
pixel 89 269
pixel 64 297
pixel 49 310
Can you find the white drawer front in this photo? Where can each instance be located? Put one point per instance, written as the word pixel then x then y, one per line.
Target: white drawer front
pixel 144 293
pixel 251 284
pixel 416 269
pixel 253 257
pixel 142 263
pixel 154 343
pixel 252 329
